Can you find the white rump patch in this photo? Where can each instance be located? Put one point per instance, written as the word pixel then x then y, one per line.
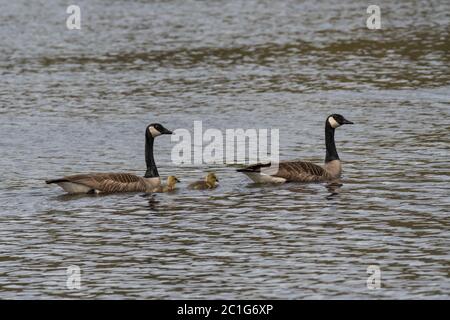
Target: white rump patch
pixel 74 188
pixel 154 132
pixel 333 123
pixel 263 178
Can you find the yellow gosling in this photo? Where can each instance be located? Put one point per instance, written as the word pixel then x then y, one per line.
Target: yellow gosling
pixel 169 187
pixel 210 182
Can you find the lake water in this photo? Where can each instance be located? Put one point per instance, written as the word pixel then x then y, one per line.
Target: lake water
pixel 76 101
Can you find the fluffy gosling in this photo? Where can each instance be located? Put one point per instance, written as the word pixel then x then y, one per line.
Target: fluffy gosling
pixel 210 182
pixel 169 187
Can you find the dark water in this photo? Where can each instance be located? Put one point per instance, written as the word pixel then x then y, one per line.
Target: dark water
pixel 74 101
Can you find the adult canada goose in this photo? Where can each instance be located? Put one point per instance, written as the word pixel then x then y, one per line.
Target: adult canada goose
pixel 118 182
pixel 300 171
pixel 210 182
pixel 169 187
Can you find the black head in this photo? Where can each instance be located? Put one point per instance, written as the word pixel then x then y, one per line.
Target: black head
pixel 337 120
pixel 156 129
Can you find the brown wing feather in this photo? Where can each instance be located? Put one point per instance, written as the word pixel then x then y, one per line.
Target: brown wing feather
pixel 299 171
pixel 110 182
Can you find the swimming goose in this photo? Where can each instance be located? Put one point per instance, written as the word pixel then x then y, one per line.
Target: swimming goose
pixel 210 182
pixel 118 182
pixel 300 171
pixel 169 187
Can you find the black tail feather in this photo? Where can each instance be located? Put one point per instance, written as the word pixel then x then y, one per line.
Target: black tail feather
pixel 246 170
pixel 254 168
pixel 55 181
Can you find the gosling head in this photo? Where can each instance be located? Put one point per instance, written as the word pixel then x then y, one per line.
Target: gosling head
pixel 171 181
pixel 156 129
pixel 336 120
pixel 211 179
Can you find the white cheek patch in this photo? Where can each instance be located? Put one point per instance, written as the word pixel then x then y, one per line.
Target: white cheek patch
pixel 333 123
pixel 154 132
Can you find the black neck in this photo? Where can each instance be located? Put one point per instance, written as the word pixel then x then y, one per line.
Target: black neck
pixel 329 143
pixel 152 171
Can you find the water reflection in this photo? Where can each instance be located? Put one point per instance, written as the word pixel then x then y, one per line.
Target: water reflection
pixel 334 188
pixel 153 202
pixel 78 102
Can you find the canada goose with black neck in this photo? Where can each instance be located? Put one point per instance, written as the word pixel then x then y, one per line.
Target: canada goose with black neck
pixel 300 171
pixel 118 182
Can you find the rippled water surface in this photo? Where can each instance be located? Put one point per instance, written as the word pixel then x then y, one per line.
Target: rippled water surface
pixel 78 101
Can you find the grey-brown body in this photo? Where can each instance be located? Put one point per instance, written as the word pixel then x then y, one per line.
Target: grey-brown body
pixel 106 183
pixel 295 171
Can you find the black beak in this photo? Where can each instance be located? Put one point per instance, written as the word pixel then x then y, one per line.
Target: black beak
pixel 346 121
pixel 177 180
pixel 217 180
pixel 166 131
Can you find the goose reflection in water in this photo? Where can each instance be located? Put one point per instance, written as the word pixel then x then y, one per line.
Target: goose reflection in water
pixel 334 188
